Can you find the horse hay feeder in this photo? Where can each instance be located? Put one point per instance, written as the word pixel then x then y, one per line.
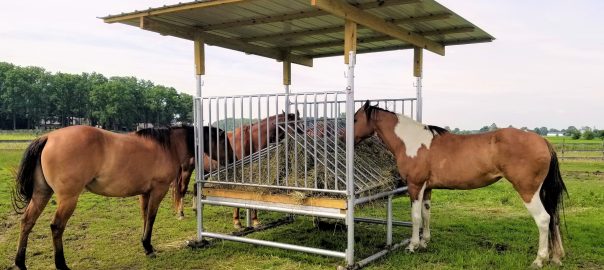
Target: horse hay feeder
pixel 322 163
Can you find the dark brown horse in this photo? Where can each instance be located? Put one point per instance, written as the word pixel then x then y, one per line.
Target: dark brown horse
pixel 73 159
pixel 429 157
pixel 248 139
pixel 214 144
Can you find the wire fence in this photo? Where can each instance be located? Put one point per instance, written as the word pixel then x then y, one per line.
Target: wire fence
pixel 593 151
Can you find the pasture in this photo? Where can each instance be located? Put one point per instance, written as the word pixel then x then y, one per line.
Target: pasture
pixel 484 228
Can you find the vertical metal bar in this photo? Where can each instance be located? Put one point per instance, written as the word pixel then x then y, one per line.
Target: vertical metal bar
pixel 248 217
pixel 286 137
pixel 227 138
pixel 315 116
pixel 389 222
pixel 199 152
pixel 268 153
pixel 296 141
pixel 249 156
pixel 258 143
pixel 418 112
pixel 324 138
pixel 226 171
pixel 217 134
pixel 350 159
pixel 335 143
pixel 241 146
pixel 277 135
pixel 305 147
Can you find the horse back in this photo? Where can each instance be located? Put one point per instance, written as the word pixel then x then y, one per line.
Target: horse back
pixel 488 156
pixel 104 162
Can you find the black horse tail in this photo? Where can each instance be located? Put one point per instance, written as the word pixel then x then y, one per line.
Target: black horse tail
pixel 25 177
pixel 551 193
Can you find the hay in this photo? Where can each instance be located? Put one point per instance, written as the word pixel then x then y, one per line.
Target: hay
pixel 278 166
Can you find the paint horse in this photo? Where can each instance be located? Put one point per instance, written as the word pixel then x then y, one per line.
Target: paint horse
pixel 69 160
pixel 429 157
pixel 244 141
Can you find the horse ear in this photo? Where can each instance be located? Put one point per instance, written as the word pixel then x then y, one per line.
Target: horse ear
pixel 366 105
pixel 297 113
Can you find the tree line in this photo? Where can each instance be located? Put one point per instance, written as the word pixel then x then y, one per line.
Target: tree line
pixel 33 98
pixel 587 133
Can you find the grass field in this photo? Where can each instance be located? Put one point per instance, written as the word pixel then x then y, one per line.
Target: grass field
pixel 487 228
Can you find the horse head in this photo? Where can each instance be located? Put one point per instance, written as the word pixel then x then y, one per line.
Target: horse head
pixel 364 127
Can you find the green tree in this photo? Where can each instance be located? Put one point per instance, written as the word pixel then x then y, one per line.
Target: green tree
pixel 570 131
pixel 589 135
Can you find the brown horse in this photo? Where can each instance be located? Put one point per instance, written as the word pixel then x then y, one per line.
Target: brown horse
pixel 73 159
pixel 429 157
pixel 249 139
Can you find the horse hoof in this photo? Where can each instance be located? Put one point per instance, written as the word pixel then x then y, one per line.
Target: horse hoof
pixel 557 261
pixel 410 248
pixel 237 226
pixel 256 224
pixel 536 265
pixel 15 267
pixel 181 217
pixel 423 244
pixel 151 255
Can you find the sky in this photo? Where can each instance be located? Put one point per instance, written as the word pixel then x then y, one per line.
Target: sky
pixel 545 68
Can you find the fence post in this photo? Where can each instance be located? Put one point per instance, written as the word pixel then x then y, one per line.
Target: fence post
pixel 563 141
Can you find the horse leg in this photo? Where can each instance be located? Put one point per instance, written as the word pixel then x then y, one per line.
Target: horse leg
pixel 556 246
pixel 144 201
pixel 155 198
pixel 236 222
pixel 423 243
pixel 32 212
pixel 416 194
pixel 181 213
pixel 194 202
pixel 255 222
pixel 64 211
pixel 542 218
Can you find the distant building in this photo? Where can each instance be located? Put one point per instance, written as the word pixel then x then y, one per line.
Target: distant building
pixel 555 133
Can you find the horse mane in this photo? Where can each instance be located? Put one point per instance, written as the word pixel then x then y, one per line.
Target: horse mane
pixel 435 130
pixel 160 135
pixel 371 109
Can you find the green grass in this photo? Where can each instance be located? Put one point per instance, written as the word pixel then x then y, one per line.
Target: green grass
pixel 569 140
pixel 487 228
pixel 12 136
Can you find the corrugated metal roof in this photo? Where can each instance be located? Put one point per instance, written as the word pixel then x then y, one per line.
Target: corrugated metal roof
pixel 276 28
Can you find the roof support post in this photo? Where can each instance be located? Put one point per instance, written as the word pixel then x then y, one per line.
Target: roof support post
pixel 199 54
pixel 200 66
pixel 350 39
pixel 418 61
pixel 350 48
pixel 287 81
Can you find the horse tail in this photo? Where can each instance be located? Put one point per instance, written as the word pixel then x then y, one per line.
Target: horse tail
pixel 551 193
pixel 25 176
pixel 179 190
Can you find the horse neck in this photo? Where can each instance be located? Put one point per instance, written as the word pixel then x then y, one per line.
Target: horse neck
pixel 178 146
pixel 404 135
pixel 384 127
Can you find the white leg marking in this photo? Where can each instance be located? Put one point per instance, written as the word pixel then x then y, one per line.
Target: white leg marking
pixel 413 134
pixel 426 222
pixel 541 217
pixel 416 218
